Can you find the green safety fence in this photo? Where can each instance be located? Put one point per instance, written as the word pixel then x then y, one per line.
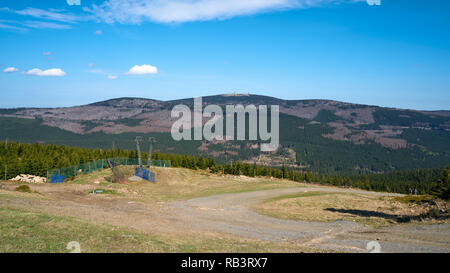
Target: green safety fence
pixel 100 164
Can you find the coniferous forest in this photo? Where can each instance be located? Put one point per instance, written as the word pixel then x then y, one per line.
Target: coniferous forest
pixel 21 158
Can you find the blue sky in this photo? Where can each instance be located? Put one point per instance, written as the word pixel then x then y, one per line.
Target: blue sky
pixel 396 54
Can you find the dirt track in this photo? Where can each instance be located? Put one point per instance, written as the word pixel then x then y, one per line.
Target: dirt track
pixel 232 214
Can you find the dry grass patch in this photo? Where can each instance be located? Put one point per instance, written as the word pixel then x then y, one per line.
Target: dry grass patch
pixel 328 207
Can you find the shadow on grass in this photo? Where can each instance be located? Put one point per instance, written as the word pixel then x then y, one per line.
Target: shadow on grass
pixel 393 217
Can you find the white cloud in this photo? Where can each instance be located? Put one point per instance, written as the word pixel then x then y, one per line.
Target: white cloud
pixel 54 72
pixel 178 11
pixel 142 70
pixel 10 70
pixel 98 32
pixel 47 53
pixel 112 77
pixel 160 11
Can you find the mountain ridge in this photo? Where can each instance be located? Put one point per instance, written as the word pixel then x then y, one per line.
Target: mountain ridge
pixel 443 112
pixel 363 137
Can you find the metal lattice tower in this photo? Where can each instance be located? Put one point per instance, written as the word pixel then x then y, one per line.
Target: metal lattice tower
pixel 138 140
pixel 151 140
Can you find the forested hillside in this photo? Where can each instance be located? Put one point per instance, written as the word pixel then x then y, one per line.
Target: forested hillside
pixel 36 159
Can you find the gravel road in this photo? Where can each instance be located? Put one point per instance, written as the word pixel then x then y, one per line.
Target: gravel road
pixel 231 213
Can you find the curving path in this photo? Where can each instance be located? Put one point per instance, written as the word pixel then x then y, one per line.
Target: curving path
pixel 231 213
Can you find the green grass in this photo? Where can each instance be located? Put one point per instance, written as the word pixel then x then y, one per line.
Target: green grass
pixel 414 199
pixel 102 176
pixel 23 188
pixel 24 231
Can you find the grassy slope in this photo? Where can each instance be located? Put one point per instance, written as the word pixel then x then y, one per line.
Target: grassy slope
pixel 35 232
pixel 27 229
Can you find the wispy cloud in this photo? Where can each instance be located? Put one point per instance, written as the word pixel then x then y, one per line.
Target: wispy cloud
pixel 179 11
pixel 109 76
pixel 26 25
pixel 43 19
pixel 41 25
pixel 11 25
pixel 97 71
pixel 51 14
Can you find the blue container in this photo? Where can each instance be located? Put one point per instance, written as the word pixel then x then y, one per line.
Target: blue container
pixel 146 174
pixel 57 178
